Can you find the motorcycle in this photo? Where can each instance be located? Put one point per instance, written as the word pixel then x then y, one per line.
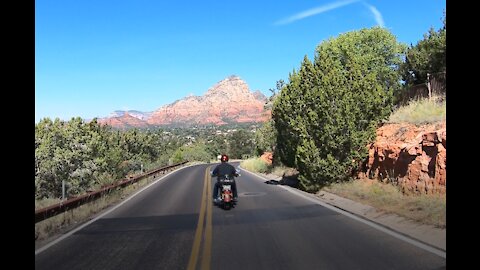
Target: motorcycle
pixel 226 193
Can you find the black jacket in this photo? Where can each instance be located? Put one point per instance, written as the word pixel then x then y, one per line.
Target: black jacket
pixel 224 169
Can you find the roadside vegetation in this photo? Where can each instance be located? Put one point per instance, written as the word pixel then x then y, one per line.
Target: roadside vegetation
pixel 327 112
pixel 255 165
pixel 85 156
pixel 429 209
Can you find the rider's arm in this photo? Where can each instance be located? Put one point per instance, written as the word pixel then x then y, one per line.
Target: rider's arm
pixel 215 171
pixel 235 173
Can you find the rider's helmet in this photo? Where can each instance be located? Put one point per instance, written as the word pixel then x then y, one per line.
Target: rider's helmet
pixel 224 158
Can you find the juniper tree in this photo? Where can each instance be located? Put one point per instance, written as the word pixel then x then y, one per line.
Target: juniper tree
pixel 328 111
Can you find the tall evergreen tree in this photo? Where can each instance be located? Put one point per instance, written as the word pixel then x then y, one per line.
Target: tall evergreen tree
pixel 265 138
pixel 283 113
pixel 427 56
pixel 327 113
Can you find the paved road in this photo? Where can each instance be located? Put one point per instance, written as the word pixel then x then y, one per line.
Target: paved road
pixel 174 225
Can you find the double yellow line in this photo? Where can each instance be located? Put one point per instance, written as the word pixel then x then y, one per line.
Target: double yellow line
pixel 205 211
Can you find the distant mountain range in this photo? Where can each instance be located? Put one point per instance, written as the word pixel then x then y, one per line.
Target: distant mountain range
pixel 227 102
pixel 136 114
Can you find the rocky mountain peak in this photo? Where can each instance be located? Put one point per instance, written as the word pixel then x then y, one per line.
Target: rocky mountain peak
pixel 232 88
pixel 228 101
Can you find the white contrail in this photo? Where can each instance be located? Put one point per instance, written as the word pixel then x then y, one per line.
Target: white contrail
pixel 315 11
pixel 376 14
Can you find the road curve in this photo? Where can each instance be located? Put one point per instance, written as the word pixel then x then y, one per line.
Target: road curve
pixel 174 225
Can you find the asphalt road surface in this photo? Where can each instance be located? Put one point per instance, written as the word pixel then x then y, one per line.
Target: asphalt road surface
pixel 173 224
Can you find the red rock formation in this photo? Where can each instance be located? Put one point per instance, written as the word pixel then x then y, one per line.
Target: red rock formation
pixel 412 156
pixel 267 157
pixel 230 100
pixel 124 121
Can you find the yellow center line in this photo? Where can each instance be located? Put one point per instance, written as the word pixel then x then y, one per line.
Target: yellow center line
pixel 207 246
pixel 192 263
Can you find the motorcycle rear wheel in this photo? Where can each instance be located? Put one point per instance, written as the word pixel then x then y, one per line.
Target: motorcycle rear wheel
pixel 227 206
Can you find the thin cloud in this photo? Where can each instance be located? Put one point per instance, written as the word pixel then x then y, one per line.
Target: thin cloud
pixel 376 14
pixel 317 10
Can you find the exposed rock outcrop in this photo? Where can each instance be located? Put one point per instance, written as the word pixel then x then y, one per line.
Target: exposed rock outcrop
pixel 411 156
pixel 267 157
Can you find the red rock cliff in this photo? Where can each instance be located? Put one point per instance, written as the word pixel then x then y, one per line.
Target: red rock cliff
pixel 412 156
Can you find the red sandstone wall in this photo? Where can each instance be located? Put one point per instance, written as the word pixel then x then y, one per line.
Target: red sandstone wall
pixel 411 156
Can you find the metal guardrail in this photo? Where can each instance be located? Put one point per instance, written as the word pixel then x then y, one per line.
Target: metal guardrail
pixel 53 210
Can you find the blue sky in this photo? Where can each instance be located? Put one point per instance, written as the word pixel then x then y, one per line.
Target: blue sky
pixel 95 57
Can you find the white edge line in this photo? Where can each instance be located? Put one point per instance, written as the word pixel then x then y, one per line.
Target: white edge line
pixel 106 212
pixel 414 242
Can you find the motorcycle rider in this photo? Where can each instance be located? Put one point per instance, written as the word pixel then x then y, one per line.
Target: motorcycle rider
pixel 224 168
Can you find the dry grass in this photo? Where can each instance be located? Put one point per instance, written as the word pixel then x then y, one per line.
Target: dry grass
pixel 255 165
pixel 259 166
pixel 423 111
pixel 46 229
pixel 425 209
pixel 39 204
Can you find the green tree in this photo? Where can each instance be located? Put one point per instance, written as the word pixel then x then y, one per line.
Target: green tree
pixel 197 152
pixel 265 138
pixel 285 108
pixel 266 135
pixel 327 113
pixel 217 145
pixel 49 172
pixel 88 155
pixel 240 143
pixel 427 56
